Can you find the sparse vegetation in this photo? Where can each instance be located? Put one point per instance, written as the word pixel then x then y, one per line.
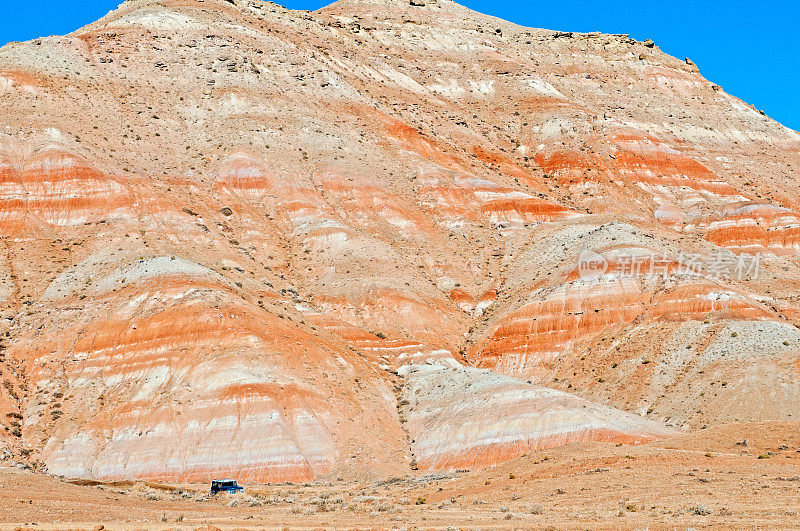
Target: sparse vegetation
pixel 700 510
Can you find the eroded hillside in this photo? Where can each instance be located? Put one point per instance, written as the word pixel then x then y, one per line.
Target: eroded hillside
pixel 240 239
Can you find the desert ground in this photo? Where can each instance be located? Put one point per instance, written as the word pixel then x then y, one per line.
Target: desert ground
pixel 705 479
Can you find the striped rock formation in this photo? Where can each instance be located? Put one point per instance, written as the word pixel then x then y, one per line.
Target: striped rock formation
pixel 278 245
pixel 465 418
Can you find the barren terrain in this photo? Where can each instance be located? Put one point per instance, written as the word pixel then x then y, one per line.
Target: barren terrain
pixel 382 240
pixel 701 480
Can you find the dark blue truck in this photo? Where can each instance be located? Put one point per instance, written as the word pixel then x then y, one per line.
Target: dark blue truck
pixel 224 485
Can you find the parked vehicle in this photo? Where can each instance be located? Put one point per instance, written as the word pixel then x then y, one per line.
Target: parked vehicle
pixel 224 485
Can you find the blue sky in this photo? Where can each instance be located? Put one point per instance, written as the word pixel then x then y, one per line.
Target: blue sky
pixel 750 48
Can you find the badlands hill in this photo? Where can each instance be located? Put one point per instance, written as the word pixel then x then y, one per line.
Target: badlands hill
pixel 281 245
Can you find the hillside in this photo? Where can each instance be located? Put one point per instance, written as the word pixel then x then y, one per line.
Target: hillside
pixel 283 246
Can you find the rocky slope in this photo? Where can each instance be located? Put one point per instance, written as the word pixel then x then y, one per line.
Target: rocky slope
pixel 234 235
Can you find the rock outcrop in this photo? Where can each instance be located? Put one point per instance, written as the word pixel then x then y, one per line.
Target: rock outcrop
pixel 465 418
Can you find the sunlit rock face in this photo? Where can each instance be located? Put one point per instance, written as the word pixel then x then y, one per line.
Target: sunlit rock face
pixel 464 417
pixel 240 240
pixel 172 375
pixel 56 188
pixel 754 227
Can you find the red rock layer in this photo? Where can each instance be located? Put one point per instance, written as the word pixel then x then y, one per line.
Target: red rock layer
pixel 653 165
pixel 57 188
pixel 527 341
pixel 753 228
